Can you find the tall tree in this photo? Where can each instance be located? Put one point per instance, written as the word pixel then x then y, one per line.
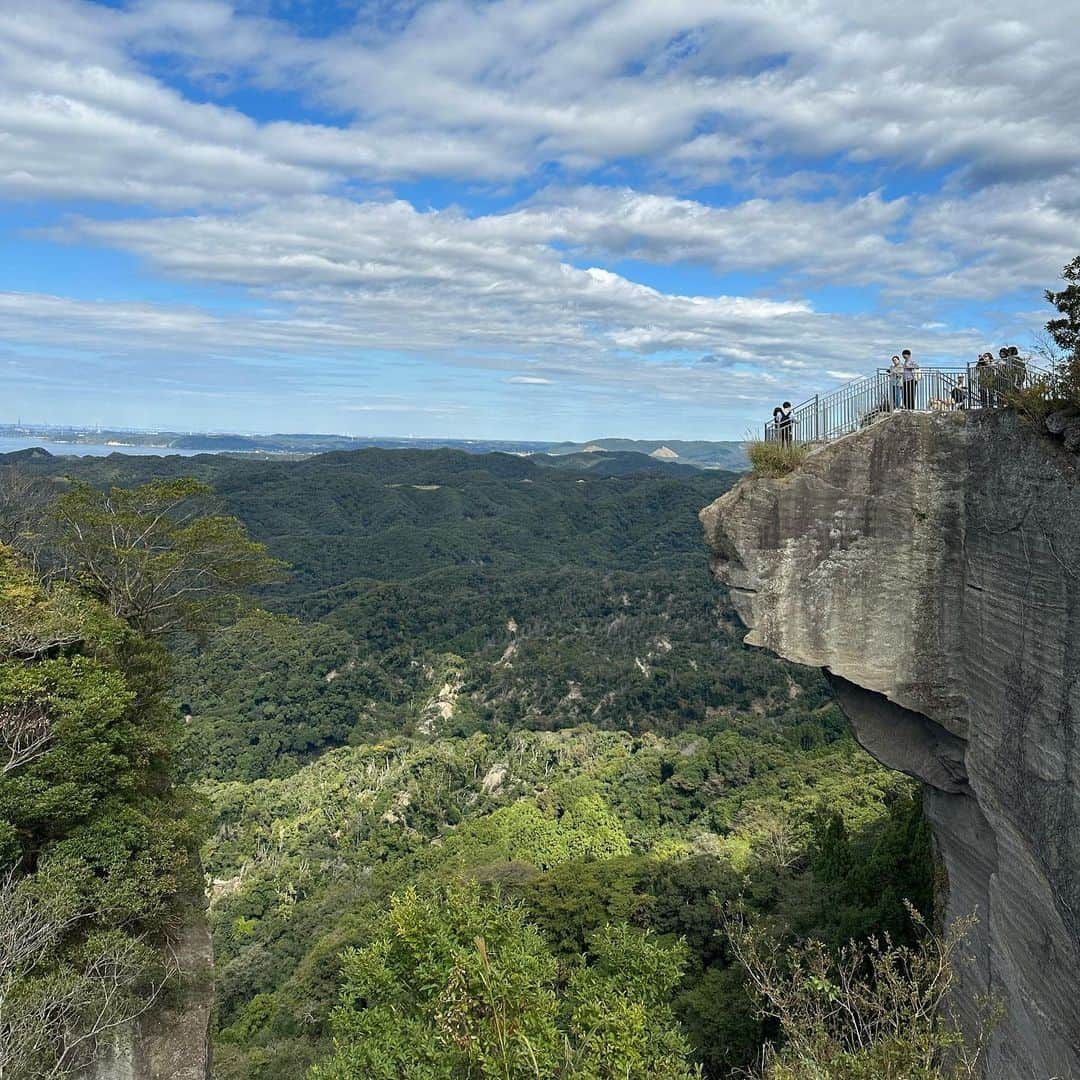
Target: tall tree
pixel 154 555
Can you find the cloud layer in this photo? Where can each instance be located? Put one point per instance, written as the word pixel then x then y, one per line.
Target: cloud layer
pixel 675 210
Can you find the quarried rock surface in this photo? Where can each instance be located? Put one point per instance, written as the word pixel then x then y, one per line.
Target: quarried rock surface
pixel 931 565
pixel 171 1041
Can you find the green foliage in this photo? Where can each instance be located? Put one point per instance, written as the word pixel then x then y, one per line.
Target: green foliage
pixel 97 847
pixel 585 828
pixel 621 1020
pixel 153 555
pixel 265 694
pixel 1066 330
pixel 773 458
pixel 866 1011
pixel 538 601
pixel 457 984
pixel 96 789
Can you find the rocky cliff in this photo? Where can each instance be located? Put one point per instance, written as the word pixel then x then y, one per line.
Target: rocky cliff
pixel 931 565
pixel 171 1041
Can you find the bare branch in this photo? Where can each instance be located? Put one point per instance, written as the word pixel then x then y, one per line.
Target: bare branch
pixel 25 733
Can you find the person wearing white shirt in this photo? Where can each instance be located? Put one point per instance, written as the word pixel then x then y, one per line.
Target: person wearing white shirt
pixel 896 381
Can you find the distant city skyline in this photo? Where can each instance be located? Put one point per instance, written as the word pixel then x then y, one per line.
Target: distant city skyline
pixel 512 220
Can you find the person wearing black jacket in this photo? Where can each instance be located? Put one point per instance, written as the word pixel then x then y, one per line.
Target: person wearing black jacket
pixel 786 423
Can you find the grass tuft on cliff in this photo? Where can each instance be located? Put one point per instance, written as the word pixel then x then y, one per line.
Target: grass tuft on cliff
pixel 774 459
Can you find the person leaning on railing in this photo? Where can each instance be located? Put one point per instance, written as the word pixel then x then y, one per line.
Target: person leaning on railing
pixel 896 381
pixel 786 423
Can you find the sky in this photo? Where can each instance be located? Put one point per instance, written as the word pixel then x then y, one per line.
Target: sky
pixel 517 219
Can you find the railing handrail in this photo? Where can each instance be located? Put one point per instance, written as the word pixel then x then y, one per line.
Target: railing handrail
pixel 867 398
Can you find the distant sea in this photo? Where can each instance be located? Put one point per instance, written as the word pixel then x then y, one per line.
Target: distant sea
pixel 8 444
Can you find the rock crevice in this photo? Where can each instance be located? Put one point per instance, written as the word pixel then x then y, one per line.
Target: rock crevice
pixel 931 565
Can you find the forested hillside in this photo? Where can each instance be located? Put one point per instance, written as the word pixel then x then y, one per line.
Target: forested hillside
pixel 485 670
pixel 441 592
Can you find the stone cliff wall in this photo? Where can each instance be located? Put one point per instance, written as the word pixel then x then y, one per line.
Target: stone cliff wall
pixel 931 565
pixel 171 1041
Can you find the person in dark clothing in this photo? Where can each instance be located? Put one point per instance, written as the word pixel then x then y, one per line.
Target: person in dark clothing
pixel 786 423
pixel 1017 368
pixel 982 377
pixel 911 379
pixel 959 393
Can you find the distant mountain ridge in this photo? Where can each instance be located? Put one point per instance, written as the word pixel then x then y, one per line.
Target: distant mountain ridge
pixel 617 463
pixel 698 453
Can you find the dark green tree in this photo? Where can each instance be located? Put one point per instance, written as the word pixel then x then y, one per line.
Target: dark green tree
pixel 1066 330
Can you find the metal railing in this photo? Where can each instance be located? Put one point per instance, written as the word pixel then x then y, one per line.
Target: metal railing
pixel 872 397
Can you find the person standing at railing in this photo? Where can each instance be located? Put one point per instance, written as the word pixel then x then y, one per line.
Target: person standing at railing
pixel 896 381
pixel 1018 369
pixel 786 423
pixel 959 393
pixel 911 379
pixel 982 377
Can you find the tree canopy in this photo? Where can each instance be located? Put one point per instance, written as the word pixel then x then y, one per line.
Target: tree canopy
pixel 153 555
pixel 457 985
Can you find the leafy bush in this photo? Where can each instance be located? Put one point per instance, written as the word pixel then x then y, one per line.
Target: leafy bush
pixel 774 459
pixel 1057 391
pixel 871 1011
pixel 457 985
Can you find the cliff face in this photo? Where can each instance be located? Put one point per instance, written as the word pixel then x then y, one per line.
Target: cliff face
pixel 931 565
pixel 172 1040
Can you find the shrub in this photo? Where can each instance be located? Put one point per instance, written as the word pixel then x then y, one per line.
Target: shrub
pixel 457 985
pixel 775 458
pixel 1057 391
pixel 873 1011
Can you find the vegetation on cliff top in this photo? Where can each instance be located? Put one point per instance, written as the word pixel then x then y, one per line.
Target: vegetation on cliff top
pixel 771 458
pixel 1059 390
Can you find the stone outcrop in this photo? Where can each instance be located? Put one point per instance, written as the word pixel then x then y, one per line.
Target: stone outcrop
pixel 931 565
pixel 171 1041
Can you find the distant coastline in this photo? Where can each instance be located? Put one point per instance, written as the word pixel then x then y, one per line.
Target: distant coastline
pixel 83 442
pixel 10 444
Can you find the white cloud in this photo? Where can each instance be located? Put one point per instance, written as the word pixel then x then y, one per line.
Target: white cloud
pixel 434 280
pixel 686 85
pixel 986 86
pixel 818 113
pixel 837 239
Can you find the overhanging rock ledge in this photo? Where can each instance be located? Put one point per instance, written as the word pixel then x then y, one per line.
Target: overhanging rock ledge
pixel 931 565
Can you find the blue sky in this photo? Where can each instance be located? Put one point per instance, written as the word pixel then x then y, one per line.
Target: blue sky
pixel 537 219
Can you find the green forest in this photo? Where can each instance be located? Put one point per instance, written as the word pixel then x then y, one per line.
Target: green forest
pixel 469 749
